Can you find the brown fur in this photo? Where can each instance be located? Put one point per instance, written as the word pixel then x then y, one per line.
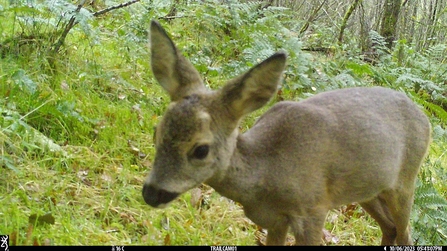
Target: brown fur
pixel 299 160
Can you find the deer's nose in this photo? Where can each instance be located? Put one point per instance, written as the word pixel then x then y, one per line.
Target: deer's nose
pixel 157 197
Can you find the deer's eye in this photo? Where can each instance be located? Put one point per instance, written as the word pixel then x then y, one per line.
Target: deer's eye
pixel 201 151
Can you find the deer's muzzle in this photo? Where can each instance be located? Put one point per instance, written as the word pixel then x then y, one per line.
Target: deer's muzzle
pixel 157 197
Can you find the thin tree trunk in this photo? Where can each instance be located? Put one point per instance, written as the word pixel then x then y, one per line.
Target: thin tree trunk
pixel 365 27
pixel 433 20
pixel 389 21
pixel 346 18
pixel 312 17
pixel 406 24
pixel 411 34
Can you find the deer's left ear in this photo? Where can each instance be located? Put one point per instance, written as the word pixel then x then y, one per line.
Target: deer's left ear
pixel 171 69
pixel 252 90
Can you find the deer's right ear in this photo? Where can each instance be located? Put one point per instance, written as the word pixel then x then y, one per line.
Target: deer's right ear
pixel 171 69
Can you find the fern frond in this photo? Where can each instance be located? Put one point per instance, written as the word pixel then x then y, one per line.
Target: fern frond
pixel 437 52
pixel 431 108
pixel 429 215
pixel 378 42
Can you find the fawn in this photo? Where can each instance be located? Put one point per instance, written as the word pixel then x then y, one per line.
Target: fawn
pixel 299 160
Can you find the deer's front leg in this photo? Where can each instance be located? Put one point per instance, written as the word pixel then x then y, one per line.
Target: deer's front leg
pixel 277 235
pixel 308 229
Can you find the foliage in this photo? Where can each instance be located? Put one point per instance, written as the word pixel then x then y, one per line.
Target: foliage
pixel 39 24
pixel 429 212
pixel 76 127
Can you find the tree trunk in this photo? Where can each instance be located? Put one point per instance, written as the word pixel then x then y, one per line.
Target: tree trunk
pixel 346 18
pixel 432 34
pixel 390 17
pixel 365 27
pixel 408 11
pixel 312 16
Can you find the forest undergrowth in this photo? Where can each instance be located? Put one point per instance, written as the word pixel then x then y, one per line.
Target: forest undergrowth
pixel 79 109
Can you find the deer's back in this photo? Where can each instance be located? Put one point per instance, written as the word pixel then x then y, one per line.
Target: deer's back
pixel 356 142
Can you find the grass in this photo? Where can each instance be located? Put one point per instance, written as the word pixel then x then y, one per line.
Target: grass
pixel 99 101
pixel 101 106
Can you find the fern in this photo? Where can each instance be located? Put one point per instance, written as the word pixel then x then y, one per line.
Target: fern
pixel 437 52
pixel 232 36
pixel 429 216
pixel 412 81
pixel 378 43
pixel 431 108
pixel 260 49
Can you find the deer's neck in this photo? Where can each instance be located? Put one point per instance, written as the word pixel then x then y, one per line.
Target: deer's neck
pixel 239 181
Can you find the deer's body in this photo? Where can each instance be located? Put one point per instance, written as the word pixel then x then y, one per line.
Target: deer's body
pixel 299 160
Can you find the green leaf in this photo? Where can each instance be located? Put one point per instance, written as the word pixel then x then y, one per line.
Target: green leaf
pixel 24 82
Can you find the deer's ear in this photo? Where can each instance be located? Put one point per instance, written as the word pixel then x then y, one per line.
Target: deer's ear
pixel 171 69
pixel 252 90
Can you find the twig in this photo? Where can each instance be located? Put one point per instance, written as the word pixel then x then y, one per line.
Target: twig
pixel 171 17
pixel 72 22
pixel 312 17
pixel 67 29
pixel 114 7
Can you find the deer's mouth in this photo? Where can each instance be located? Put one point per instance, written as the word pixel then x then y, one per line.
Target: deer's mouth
pixel 158 198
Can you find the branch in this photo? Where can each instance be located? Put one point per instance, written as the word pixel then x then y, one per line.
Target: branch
pixel 114 7
pixel 72 22
pixel 70 25
pixel 170 17
pixel 312 17
pixel 345 20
